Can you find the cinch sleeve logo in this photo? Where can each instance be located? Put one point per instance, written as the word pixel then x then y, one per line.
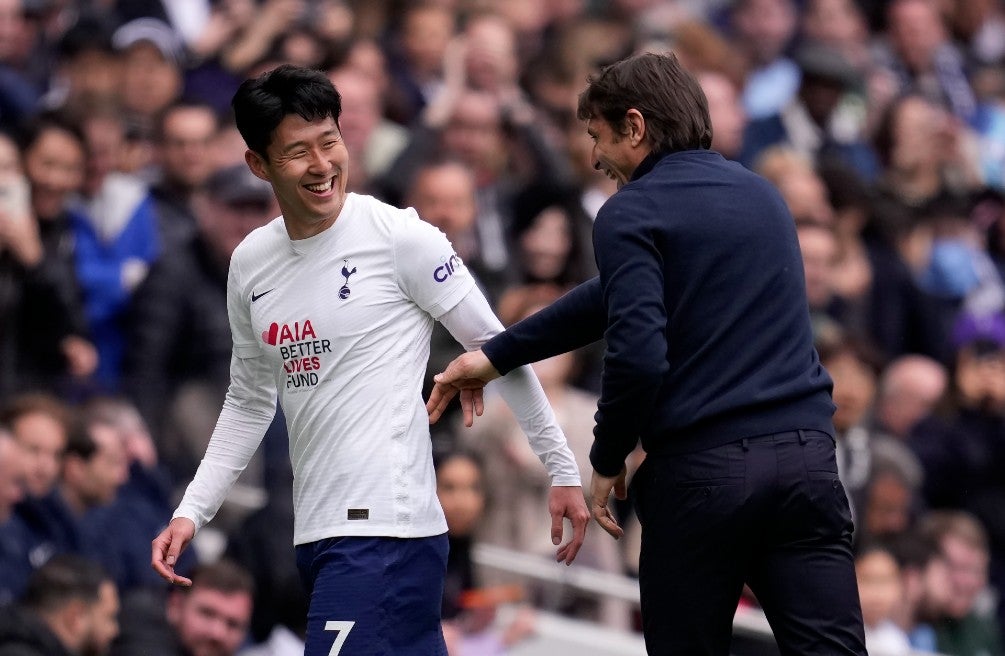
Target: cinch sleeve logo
pixel 445 270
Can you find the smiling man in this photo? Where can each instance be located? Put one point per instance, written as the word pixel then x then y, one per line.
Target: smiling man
pixel 331 307
pixel 709 363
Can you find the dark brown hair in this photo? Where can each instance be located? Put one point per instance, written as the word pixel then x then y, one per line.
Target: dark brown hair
pixel 668 97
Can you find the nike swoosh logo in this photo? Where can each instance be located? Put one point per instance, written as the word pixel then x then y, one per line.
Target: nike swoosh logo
pixel 255 297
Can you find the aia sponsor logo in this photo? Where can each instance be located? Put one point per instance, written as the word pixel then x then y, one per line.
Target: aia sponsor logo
pixel 288 332
pixel 301 351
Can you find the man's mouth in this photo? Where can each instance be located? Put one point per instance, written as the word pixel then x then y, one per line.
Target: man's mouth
pixel 321 187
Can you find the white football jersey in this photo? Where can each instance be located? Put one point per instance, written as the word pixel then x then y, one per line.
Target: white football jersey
pixel 343 320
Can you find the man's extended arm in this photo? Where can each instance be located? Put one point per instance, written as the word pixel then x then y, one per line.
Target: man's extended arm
pixel 573 321
pixel 576 319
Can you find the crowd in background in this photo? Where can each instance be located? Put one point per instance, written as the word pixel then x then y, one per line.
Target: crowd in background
pixel 123 192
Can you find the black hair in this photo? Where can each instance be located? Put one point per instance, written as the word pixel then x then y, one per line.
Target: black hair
pixel 31 131
pixel 261 103
pixel 64 578
pixel 180 105
pixel 89 33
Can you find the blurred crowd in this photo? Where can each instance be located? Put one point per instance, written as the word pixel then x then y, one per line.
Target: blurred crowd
pixel 123 192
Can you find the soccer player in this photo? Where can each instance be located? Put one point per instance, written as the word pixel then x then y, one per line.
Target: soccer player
pixel 710 363
pixel 331 306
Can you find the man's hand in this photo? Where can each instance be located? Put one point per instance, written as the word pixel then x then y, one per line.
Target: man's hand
pixel 467 374
pixel 168 546
pixel 600 493
pixel 567 502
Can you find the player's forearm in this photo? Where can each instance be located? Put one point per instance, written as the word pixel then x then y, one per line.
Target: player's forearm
pixel 524 395
pixel 471 323
pixel 247 412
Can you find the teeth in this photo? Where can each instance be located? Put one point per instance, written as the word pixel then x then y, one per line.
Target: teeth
pixel 320 188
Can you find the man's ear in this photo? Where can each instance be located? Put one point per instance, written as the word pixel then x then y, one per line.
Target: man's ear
pixel 257 164
pixel 636 125
pixel 69 622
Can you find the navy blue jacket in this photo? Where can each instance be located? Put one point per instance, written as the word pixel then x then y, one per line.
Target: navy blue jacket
pixel 701 301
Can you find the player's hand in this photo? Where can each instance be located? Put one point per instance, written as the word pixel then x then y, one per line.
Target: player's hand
pixel 600 493
pixel 168 546
pixel 568 501
pixel 467 374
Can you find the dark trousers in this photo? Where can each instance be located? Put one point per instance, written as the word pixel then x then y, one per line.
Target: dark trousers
pixel 767 511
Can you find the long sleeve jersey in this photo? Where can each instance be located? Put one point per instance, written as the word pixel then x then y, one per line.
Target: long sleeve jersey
pixel 338 325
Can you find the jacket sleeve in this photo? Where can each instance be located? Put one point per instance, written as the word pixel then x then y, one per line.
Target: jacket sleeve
pixel 635 362
pixel 576 319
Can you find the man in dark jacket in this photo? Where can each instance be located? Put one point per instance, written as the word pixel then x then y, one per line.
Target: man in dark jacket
pixel 70 607
pixel 710 364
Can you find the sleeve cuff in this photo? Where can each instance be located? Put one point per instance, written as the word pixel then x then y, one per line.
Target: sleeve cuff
pixel 500 350
pixel 607 461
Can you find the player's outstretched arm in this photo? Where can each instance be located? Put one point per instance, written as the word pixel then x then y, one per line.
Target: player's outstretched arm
pixel 568 501
pixel 167 547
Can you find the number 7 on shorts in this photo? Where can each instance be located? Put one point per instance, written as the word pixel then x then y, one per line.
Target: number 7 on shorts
pixel 343 629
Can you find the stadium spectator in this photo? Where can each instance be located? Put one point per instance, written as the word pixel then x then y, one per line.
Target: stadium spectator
pixel 142 505
pixel 880 587
pixel 69 608
pixel 183 153
pixel 210 617
pixel 469 604
pixel 40 425
pixel 822 120
pixel 763 30
pixel 961 449
pixel 924 152
pixel 729 119
pixel 115 240
pixel 890 500
pixel 46 341
pixel 416 56
pixel 968 625
pixel 920 55
pixel 152 59
pixel 910 389
pixel 377 139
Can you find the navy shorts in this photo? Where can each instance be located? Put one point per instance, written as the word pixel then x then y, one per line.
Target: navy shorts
pixel 374 595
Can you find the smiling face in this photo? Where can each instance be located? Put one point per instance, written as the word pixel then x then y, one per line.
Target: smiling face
pixel 307 165
pixel 617 155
